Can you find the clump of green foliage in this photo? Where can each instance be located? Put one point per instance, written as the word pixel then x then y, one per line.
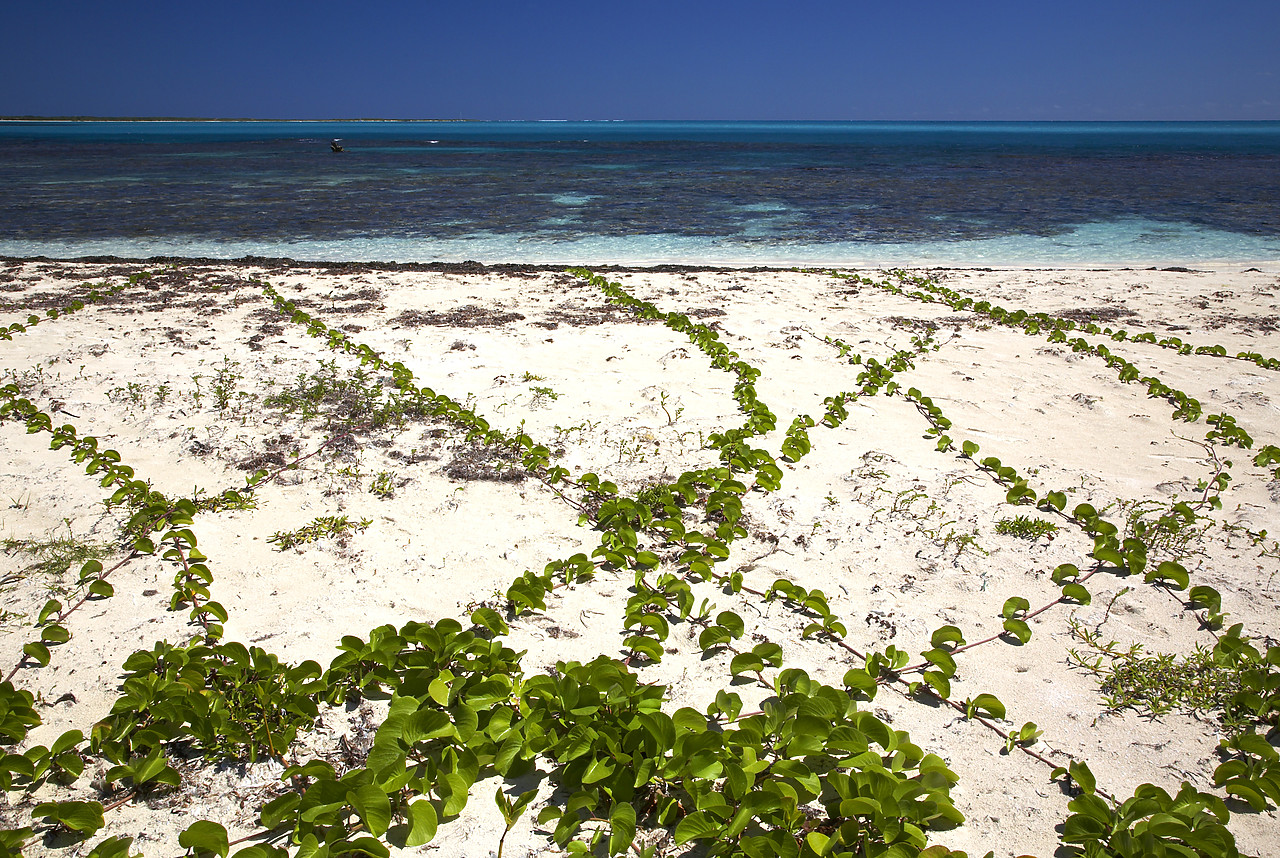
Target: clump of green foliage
pixel 1025 527
pixel 383 485
pixel 1155 684
pixel 229 700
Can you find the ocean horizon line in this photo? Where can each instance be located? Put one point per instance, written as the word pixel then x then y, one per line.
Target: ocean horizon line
pixel 746 121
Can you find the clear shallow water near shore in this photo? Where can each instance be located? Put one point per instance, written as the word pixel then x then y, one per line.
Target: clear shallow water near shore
pixel 646 192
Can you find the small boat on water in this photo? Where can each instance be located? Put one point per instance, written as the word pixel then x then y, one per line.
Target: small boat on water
pixel 336 146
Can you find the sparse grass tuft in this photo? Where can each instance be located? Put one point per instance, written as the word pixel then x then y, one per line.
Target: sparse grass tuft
pixel 55 555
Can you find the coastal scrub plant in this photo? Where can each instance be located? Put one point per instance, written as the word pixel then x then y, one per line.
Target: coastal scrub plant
pixel 321 527
pixel 1234 680
pixel 132 393
pixel 1154 684
pixel 225 383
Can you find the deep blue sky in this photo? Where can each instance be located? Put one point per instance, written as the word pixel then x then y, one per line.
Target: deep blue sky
pixel 612 59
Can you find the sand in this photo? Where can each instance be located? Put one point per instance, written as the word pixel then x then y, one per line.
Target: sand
pixel 900 537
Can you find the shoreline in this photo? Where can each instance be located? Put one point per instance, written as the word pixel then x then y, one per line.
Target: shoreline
pixel 196 378
pixel 1171 265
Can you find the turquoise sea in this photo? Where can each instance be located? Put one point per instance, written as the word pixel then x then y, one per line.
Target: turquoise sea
pixel 999 193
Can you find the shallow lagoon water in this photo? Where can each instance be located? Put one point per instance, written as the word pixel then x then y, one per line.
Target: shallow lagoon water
pixel 635 192
pixel 1114 244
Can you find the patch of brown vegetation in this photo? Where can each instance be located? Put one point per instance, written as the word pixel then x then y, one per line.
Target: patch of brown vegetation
pixel 1095 314
pixel 467 316
pixel 475 462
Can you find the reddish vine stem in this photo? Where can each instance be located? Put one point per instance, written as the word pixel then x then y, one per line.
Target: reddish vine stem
pixel 115 805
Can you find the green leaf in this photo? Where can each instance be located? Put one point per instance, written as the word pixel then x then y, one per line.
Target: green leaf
pixel 453 787
pixel 939 682
pixel 1110 556
pixel 55 634
pixel 946 635
pixel 153 768
pixel 1083 778
pixel 698 825
pixel 1077 592
pixel 658 623
pixel 987 704
pixel 277 810
pixel 422 823
pixel 426 724
pixel 731 622
pixel 645 646
pixel 689 720
pixel 942 659
pixel 438 690
pixel 215 610
pixel 374 808
pixel 1247 792
pixel 1019 629
pixel 38 652
pixel 487 618
pixel 746 662
pixel 50 608
pixel 66 741
pixel 1170 572
pixel 1205 597
pixel 713 636
pixel 1063 572
pixel 507 757
pixel 111 847
pixel 1027 734
pixel 82 816
pixel 205 838
pixel 647 559
pixel 523 801
pixel 861 682
pixel 771 653
pixel 369 846
pixel 597 770
pixel 1019 493
pixel 1014 605
pixel 622 823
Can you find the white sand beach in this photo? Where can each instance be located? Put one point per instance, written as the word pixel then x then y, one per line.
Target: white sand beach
pixel 198 382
